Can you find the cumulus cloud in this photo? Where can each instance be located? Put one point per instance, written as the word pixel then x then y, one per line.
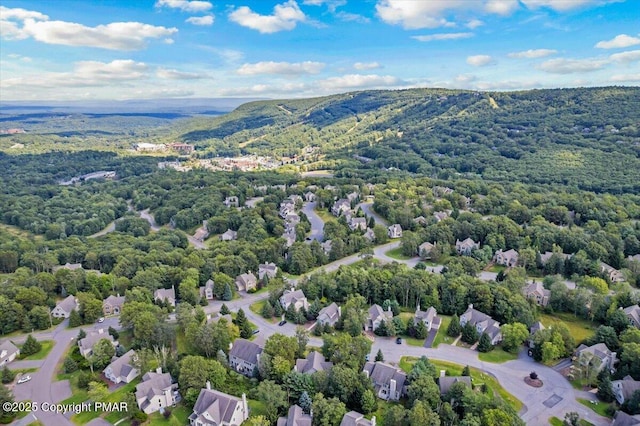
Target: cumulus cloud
pixel 630 56
pixel 443 36
pixel 619 41
pixel 358 81
pixel 533 53
pixel 501 7
pixel 114 36
pixel 626 77
pixel 201 20
pixel 360 66
pixel 171 74
pixel 287 68
pixel 285 16
pixel 193 6
pixel 570 66
pixel 479 60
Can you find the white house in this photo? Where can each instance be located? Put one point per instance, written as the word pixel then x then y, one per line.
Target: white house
pixel 483 323
pixel 536 292
pixel 112 305
pixel 428 317
pixel 8 352
pixel 155 391
pixel 507 258
pixel 466 246
pixel 329 315
pixel 268 269
pixel 64 308
pixel 340 207
pixel 121 370
pixel 295 298
pixel 229 235
pixel 246 282
pixel 244 356
pixel 166 294
pixel 215 408
pixel 394 231
pixel 206 291
pixel 376 315
pixel 633 313
pixel 623 389
pixel 389 382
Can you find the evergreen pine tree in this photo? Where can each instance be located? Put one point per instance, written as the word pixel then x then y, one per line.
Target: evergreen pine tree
pixel 469 333
pixel 305 402
pixel 224 310
pixel 30 347
pixel 420 330
pixel 605 392
pixel 114 333
pixel 69 365
pixel 485 343
pixel 267 310
pixel 74 319
pixel 379 356
pixel 81 335
pixel 466 371
pixel 454 328
pixel 382 329
pixel 227 295
pixel 7 375
pixel 291 312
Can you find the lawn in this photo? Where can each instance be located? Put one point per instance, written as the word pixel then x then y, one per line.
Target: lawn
pixel 116 396
pixel 396 253
pixel 257 307
pixel 24 370
pixel 554 421
pixel 383 407
pixel 599 407
pixel 496 268
pixel 77 395
pixel 256 408
pixel 497 355
pixel 579 328
pixel 325 215
pixel 179 417
pixel 47 345
pixel 125 338
pixel 442 337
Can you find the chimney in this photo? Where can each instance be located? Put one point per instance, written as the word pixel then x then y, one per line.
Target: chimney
pixel 245 406
pixel 392 388
pixel 443 373
pixel 373 421
pixel 389 308
pixel 208 385
pixel 366 372
pixel 159 370
pixel 470 305
pixel 339 311
pixel 418 307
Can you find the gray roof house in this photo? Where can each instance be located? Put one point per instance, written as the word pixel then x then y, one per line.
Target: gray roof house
pixel 466 246
pixel 428 317
pixel 295 297
pixel 112 305
pixel 206 291
pixel 295 417
pixel 633 313
pixel 314 362
pixel 269 269
pixel 64 308
pixel 229 235
pixel 87 343
pixel 394 231
pixel 546 256
pixel 612 273
pixel 246 282
pixel 598 354
pixel 376 316
pixel 369 235
pixel 483 323
pixel 166 294
pixel 244 356
pixel 215 408
pixel 506 258
pixel 445 382
pixel 388 381
pixel 424 250
pixel 155 391
pixel 623 389
pixel 121 370
pixel 329 315
pixel 536 292
pixel 620 418
pixel 8 352
pixel 340 206
pixel 358 223
pixel 353 418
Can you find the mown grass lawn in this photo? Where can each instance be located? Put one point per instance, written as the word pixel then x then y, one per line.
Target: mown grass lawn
pixel 325 215
pixel 599 407
pixel 47 345
pixel 497 355
pixel 579 328
pixel 442 337
pixel 116 396
pixel 396 253
pixel 179 417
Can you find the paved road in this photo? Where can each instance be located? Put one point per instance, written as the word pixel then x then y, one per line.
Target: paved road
pixel 367 208
pixel 317 224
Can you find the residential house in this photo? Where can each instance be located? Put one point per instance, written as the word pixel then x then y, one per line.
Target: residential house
pixel 483 323
pixel 232 201
pixel 546 256
pixel 358 223
pixel 620 418
pixel 445 382
pixel 507 258
pixel 8 352
pixel 168 295
pixel 121 370
pixel 295 198
pixel 295 298
pixel 156 391
pixel 440 216
pixel 267 269
pixel 634 258
pixel 87 343
pixel 394 231
pixel 287 207
pixel 466 246
pixel 309 197
pixel 244 356
pixel 532 331
pixel 376 315
pixel 420 220
pixel 340 206
pixel 369 235
pixel 289 237
pixel 206 291
pixel 182 148
pixel 352 196
pixel 326 247
pixel 353 418
pixel 425 249
pixel 633 313
pixel 623 389
pixel 64 308
pixel 68 266
pixel 314 362
pixel 598 356
pixel 229 235
pixel 612 273
pixel 246 282
pixel 536 292
pixel 329 315
pixel 112 305
pixel 201 233
pixel 389 382
pixel 215 408
pixel 295 417
pixel 428 317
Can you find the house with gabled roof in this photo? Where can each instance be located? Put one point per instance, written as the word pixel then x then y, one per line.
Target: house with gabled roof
pixel 483 324
pixel 268 269
pixel 206 291
pixel 394 231
pixel 295 297
pixel 466 246
pixel 167 295
pixel 369 235
pixel 340 206
pixel 620 418
pixel 8 352
pixel 329 315
pixel 215 408
pixel 112 305
pixel 507 258
pixel 546 256
pixel 244 356
pixel 121 370
pixel 389 382
pixel 309 197
pixel 445 382
pixel 420 220
pixel 353 418
pixel 87 343
pixel 599 353
pixel 357 223
pixel 246 282
pixel 424 250
pixel 313 363
pixel 229 235
pixel 612 273
pixel 633 313
pixel 295 417
pixel 64 308
pixel 375 316
pixel 156 391
pixel 535 291
pixel 624 389
pixel 428 317
pixel 440 216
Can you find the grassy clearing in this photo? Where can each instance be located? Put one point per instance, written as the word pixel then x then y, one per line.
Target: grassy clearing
pixel 442 337
pixel 413 341
pixel 257 408
pixel 599 407
pixel 116 396
pixel 579 328
pixel 396 253
pixel 496 268
pixel 47 345
pixel 383 407
pixel 497 355
pixel 179 417
pixel 325 215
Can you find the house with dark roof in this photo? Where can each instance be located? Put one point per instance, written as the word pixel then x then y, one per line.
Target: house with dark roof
pixel 353 418
pixel 445 382
pixel 375 316
pixel 507 258
pixel 369 235
pixel 168 295
pixel 329 315
pixel 598 356
pixel 633 313
pixel 121 370
pixel 229 235
pixel 620 418
pixel 295 417
pixel 64 308
pixel 215 408
pixel 483 324
pixel 244 356
pixel 87 343
pixel 314 362
pixel 268 269
pixel 340 207
pixel 155 391
pixel 246 282
pixel 623 389
pixel 389 382
pixel 295 298
pixel 428 317
pixel 112 305
pixel 357 223
pixel 8 352
pixel 535 291
pixel 466 246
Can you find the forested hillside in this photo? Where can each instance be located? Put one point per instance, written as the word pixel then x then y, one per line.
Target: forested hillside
pixel 587 138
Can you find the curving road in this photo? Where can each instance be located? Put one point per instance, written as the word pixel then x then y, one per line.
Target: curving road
pixel 367 208
pixel 317 224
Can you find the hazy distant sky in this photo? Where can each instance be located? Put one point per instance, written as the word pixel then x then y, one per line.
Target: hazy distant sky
pixel 121 49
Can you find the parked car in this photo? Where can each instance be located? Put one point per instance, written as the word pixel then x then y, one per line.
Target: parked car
pixel 398 340
pixel 101 319
pixel 24 379
pixel 256 331
pixel 281 323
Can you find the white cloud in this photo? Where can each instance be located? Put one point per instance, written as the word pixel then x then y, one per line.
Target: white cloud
pixel 193 6
pixel 360 66
pixel 474 23
pixel 358 81
pixel 501 7
pixel 570 66
pixel 465 78
pixel 630 56
pixel 479 60
pixel 332 5
pixel 287 68
pixel 443 36
pixel 619 41
pixel 626 77
pixel 265 89
pixel 352 17
pixel 114 36
pixel 201 20
pixel 172 74
pixel 533 53
pixel 565 5
pixel 285 17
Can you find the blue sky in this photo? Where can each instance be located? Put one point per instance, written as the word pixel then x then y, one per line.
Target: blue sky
pixel 122 49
